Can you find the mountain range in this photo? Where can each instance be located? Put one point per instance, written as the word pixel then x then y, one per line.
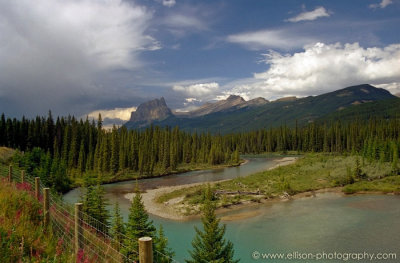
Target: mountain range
pixel 236 114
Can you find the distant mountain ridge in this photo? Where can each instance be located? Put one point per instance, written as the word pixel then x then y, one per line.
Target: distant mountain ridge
pixel 233 102
pixel 235 114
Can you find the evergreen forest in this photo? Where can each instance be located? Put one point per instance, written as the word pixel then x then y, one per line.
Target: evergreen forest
pixel 67 152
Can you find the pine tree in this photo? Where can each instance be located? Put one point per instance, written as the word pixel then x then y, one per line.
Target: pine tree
pixel 94 204
pixel 395 159
pixel 357 170
pixel 210 245
pixel 236 156
pixel 138 226
pixel 114 151
pixel 81 158
pixel 163 254
pixel 117 227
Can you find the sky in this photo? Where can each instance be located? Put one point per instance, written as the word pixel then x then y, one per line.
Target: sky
pixel 84 57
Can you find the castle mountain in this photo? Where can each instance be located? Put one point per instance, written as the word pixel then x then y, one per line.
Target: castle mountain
pixel 236 114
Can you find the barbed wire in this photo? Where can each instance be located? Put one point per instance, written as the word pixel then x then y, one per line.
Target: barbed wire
pixel 95 235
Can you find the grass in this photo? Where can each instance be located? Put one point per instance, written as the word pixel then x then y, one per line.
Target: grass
pixel 312 171
pixel 6 154
pixel 390 184
pixel 177 193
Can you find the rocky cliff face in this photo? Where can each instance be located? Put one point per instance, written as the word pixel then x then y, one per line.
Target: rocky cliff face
pixel 257 102
pixel 152 110
pixel 233 102
pixel 218 106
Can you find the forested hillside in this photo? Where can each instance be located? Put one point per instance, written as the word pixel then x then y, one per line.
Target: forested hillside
pixel 386 109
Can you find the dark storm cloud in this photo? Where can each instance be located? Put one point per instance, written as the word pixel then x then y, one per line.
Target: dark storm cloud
pixel 52 53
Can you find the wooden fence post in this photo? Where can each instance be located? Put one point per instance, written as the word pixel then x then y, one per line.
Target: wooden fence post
pixel 145 250
pixel 22 176
pixel 78 238
pixel 10 170
pixel 46 213
pixel 37 185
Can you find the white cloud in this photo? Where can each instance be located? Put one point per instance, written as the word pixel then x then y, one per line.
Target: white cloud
pixel 191 100
pixel 123 114
pixel 169 3
pixel 282 39
pixel 394 87
pixel 322 68
pixel 310 15
pixel 52 51
pixel 382 4
pixel 184 21
pixel 190 104
pixel 199 90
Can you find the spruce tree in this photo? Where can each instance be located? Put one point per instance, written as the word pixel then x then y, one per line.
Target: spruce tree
pixel 114 150
pixel 81 158
pixel 395 159
pixel 138 225
pixel 162 253
pixel 236 156
pixel 117 227
pixel 210 245
pixel 94 204
pixel 357 170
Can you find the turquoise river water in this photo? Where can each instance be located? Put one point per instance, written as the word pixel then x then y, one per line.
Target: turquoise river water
pixel 328 227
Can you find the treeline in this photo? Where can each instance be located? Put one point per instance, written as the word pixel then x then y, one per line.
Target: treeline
pixel 83 146
pixel 376 138
pixel 74 147
pixel 86 146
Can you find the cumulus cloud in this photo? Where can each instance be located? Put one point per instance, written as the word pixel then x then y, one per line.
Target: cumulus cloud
pixel 310 15
pixel 322 68
pixel 281 38
pixel 394 87
pixel 123 114
pixel 198 90
pixel 51 51
pixel 116 116
pixel 169 3
pixel 190 104
pixel 382 4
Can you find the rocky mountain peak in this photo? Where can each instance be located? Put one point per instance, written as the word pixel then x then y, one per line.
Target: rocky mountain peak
pixel 235 98
pixel 155 109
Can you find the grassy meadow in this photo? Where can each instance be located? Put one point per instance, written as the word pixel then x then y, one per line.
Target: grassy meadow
pixel 310 172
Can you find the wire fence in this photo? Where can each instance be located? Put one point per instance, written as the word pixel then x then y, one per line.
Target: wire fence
pixel 95 241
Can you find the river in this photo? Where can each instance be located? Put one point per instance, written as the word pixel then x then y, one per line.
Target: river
pixel 328 223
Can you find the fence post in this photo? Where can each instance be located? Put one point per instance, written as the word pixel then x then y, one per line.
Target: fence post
pixel 78 228
pixel 46 213
pixel 10 170
pixel 145 250
pixel 22 176
pixel 37 185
